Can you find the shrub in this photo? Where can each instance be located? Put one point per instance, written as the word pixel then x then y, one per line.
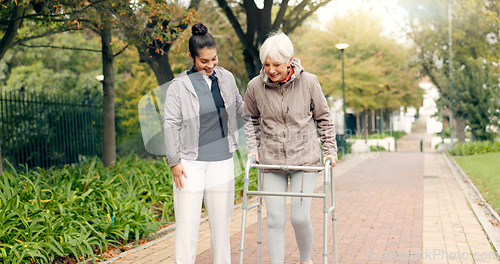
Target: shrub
pixel 471 148
pixel 79 210
pixel 377 148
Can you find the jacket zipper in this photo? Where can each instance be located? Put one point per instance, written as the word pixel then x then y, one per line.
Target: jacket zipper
pixel 284 121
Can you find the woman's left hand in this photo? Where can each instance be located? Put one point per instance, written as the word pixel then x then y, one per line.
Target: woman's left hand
pixel 333 158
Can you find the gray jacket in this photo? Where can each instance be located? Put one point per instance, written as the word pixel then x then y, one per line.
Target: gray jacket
pixel 286 119
pixel 182 120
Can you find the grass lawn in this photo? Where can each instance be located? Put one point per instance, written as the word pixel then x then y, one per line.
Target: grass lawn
pixel 484 171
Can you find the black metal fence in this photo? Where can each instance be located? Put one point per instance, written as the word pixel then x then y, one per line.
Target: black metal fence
pixel 42 130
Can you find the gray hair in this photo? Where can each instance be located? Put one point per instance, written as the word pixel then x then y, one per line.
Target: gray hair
pixel 278 47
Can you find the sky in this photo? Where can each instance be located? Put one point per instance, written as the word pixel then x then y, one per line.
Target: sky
pixel 388 9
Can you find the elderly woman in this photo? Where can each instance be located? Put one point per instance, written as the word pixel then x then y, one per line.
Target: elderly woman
pixel 287 112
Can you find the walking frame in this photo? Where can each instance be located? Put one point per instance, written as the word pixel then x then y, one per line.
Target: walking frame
pixel 328 207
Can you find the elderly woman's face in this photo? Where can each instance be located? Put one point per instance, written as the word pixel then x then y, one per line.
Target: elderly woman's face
pixel 276 71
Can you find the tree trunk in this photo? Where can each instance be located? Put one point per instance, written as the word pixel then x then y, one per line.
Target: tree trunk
pixel 358 124
pixel 158 62
pixel 11 31
pixel 250 66
pixel 366 125
pixel 369 121
pixel 380 121
pixel 387 120
pixel 108 103
pixel 374 121
pixel 156 52
pixel 460 128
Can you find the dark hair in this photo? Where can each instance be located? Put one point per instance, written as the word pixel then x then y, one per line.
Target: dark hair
pixel 200 39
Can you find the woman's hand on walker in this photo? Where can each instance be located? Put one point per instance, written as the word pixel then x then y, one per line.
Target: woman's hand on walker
pixel 178 172
pixel 333 158
pixel 254 154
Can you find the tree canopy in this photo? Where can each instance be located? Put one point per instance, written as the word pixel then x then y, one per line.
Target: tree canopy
pixel 378 69
pixel 475 34
pixel 477 90
pixel 25 20
pixel 252 23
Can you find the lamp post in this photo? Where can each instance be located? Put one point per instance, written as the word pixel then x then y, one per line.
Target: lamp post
pixel 342 47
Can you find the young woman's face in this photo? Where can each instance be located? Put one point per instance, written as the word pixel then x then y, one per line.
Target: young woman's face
pixel 276 71
pixel 206 60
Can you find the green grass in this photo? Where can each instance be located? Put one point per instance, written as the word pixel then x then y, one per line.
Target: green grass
pixel 484 171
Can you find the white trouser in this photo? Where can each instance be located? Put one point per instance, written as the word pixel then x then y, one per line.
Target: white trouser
pixel 213 183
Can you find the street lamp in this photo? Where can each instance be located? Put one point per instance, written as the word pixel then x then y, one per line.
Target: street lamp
pixel 342 47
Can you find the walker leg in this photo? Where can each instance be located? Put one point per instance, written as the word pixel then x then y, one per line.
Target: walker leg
pixel 334 229
pixel 326 209
pixel 243 227
pixel 259 220
pixel 328 206
pixel 334 219
pixel 244 205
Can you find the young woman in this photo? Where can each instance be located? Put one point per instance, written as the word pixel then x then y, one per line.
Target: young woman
pixel 200 135
pixel 287 110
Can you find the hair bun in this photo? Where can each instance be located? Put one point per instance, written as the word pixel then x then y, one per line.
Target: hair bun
pixel 199 29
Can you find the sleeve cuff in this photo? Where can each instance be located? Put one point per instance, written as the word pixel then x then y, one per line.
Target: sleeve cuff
pixel 173 161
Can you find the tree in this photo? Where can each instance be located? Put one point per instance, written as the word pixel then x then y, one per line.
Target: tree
pixel 477 90
pixel 45 17
pixel 153 26
pixel 108 86
pixel 475 34
pixel 260 21
pixel 95 15
pixel 40 18
pixel 152 41
pixel 228 44
pixel 13 24
pixel 70 71
pixel 163 25
pixel 379 74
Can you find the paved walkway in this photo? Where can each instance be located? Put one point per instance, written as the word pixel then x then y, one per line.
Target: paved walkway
pixel 403 207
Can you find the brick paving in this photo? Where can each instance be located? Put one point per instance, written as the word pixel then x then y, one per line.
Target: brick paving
pixel 403 207
pixel 451 232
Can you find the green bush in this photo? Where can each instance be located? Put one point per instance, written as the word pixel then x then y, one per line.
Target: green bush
pixel 377 148
pixel 472 148
pixel 78 210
